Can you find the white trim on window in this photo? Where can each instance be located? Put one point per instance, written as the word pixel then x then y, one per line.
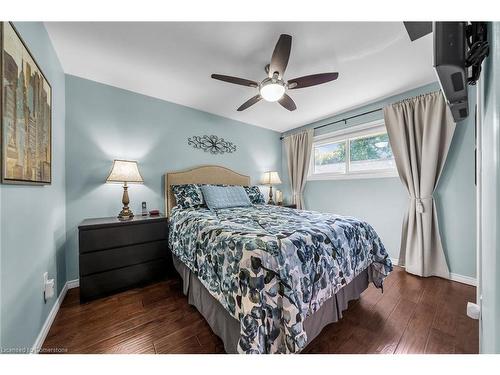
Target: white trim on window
pixel 348 134
pixel 383 173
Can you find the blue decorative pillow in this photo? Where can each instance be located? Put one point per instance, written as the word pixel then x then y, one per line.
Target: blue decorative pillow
pixel 225 196
pixel 255 195
pixel 188 195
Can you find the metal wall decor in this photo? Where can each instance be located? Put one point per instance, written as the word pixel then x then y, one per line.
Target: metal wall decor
pixel 212 144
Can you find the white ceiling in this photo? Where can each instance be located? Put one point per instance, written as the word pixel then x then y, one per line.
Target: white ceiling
pixel 173 61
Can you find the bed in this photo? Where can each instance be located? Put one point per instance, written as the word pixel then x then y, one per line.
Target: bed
pixel 268 279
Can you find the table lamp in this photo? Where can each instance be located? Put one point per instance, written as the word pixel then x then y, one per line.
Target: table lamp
pixel 125 171
pixel 271 178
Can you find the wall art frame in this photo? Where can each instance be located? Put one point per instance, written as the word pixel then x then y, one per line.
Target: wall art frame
pixel 25 113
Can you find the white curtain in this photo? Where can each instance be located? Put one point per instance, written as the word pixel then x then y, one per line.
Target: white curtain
pixel 420 132
pixel 298 149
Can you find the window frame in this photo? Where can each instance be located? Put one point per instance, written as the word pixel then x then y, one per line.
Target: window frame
pixel 358 131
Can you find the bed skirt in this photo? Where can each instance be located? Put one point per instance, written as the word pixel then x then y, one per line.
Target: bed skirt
pixel 228 328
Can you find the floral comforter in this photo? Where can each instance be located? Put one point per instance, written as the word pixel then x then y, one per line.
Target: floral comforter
pixel 271 267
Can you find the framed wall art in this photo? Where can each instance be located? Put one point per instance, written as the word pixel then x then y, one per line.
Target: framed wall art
pixel 26 113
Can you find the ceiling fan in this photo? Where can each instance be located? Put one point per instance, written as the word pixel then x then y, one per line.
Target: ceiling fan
pixel 273 88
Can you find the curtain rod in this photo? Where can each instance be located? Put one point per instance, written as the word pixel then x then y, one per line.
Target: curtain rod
pixel 345 119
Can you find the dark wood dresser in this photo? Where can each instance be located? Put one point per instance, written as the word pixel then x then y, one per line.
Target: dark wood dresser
pixel 117 255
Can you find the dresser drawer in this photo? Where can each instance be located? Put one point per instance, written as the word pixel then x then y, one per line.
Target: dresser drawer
pixel 109 282
pixel 105 260
pixel 122 235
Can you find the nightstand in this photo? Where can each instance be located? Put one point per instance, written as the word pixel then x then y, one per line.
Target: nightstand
pixel 117 255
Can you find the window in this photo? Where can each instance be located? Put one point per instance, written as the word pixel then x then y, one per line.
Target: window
pixel 329 158
pixel 358 152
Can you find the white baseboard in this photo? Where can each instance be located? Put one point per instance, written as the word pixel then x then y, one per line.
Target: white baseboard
pixel 52 315
pixel 453 276
pixel 395 261
pixel 73 283
pixel 463 279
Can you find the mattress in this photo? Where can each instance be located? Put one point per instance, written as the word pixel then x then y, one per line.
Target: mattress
pixel 272 267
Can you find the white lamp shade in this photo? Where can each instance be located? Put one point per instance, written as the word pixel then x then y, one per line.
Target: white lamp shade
pixel 125 171
pixel 271 178
pixel 272 92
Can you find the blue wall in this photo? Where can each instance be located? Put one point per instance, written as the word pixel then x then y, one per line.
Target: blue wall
pixel 32 219
pixel 490 236
pixel 104 123
pixel 383 201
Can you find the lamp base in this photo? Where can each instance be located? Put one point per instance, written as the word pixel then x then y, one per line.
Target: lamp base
pixel 270 200
pixel 126 213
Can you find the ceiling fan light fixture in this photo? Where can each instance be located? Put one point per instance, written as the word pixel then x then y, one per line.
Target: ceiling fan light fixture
pixel 272 91
pixel 273 88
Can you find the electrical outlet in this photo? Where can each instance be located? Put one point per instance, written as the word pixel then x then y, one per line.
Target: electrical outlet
pixel 48 287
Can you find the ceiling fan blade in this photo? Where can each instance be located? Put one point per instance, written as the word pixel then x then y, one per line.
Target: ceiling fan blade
pixel 235 80
pixel 311 80
pixel 287 102
pixel 281 54
pixel 250 102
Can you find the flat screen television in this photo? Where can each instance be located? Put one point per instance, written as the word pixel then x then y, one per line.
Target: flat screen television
pixel 450 49
pixel 459 50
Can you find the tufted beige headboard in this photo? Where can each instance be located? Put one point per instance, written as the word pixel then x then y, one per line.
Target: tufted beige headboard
pixel 207 174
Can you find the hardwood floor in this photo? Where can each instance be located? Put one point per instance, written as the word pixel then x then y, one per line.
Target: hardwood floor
pixel 413 315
